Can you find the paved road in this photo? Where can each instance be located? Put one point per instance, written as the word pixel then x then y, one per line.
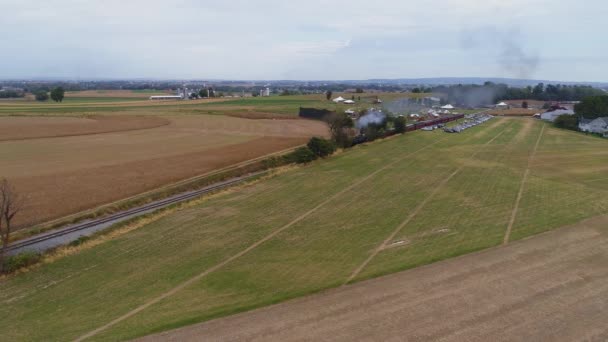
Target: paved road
pixel 553 287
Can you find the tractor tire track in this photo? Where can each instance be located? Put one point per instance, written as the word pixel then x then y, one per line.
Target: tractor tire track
pixel 522 187
pixel 417 210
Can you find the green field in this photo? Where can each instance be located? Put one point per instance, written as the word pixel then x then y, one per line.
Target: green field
pixel 428 195
pixel 107 104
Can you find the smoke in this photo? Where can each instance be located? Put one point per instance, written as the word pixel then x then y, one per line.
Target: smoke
pixel 404 106
pixel 472 96
pixel 516 61
pixel 372 116
pixel 512 56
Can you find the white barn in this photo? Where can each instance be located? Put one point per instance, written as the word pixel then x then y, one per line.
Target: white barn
pixel 598 125
pixel 551 116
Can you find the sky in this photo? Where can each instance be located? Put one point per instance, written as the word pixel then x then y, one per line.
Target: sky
pixel 304 40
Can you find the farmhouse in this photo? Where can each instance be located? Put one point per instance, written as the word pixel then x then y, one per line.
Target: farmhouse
pixel 598 125
pixel 552 115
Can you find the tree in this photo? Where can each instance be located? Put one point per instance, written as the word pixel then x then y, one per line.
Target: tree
pixel 340 126
pixel 359 90
pixel 328 95
pixel 524 104
pixel 202 93
pixel 10 205
pixel 57 94
pixel 41 96
pixel 321 147
pixel 400 124
pixel 592 107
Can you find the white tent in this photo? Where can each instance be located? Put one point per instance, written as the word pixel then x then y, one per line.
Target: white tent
pixel 502 105
pixel 338 99
pixel 349 111
pixel 349 102
pixel 448 106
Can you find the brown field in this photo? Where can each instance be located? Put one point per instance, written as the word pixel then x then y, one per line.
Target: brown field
pixel 514 112
pixel 552 287
pixel 531 103
pixel 113 93
pixel 63 165
pixel 24 127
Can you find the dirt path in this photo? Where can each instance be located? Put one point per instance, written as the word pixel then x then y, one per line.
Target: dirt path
pixel 413 214
pixel 521 188
pixel 250 248
pixel 553 287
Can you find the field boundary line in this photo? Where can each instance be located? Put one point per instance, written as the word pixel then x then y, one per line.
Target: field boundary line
pixel 522 185
pixel 414 213
pixel 248 249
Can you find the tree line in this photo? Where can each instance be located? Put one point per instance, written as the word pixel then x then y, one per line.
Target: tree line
pixel 490 93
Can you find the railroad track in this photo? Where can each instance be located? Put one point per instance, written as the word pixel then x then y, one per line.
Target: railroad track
pixel 129 213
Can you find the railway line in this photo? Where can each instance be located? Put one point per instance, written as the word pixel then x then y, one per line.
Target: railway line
pixel 62 236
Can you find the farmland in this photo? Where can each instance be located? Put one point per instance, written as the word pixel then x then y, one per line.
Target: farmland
pixel 98 147
pixel 376 209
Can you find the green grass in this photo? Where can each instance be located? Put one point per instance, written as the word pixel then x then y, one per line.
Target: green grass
pixel 76 294
pixel 106 105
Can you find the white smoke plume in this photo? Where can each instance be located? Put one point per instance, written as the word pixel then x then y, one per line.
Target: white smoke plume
pixel 372 116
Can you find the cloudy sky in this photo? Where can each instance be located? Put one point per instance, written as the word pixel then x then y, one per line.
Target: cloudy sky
pixel 312 39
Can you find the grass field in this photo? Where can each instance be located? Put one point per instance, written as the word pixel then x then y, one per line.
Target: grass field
pixel 379 208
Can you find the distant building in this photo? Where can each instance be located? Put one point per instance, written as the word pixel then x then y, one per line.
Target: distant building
pixel 338 99
pixel 166 97
pixel 265 92
pixel 598 125
pixel 552 115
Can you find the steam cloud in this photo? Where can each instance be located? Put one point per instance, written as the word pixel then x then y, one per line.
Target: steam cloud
pixel 372 116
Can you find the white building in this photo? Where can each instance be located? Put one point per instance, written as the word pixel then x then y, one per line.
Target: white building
pixel 338 99
pixel 551 116
pixel 349 102
pixel 265 92
pixel 448 106
pixel 598 125
pixel 502 105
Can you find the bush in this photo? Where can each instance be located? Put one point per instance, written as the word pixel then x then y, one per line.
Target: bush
pixel 567 122
pixel 321 147
pixel 42 96
pixel 16 262
pixel 301 155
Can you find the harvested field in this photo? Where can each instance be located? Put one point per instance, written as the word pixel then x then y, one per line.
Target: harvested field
pixel 515 112
pixel 430 196
pixel 257 116
pixel 114 94
pixel 29 127
pixel 549 288
pixel 64 175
